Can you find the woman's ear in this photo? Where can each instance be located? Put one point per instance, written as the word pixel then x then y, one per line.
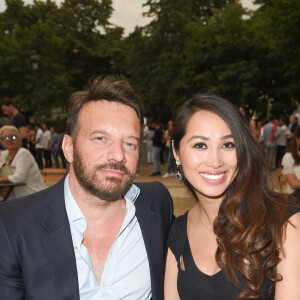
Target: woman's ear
pixel 176 156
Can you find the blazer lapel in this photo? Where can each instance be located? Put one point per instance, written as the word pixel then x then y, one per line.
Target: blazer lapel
pixel 150 225
pixel 58 245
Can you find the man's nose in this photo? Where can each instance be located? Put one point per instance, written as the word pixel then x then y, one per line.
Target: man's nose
pixel 116 152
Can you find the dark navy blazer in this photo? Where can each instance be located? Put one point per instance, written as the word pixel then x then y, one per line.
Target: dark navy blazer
pixel 37 260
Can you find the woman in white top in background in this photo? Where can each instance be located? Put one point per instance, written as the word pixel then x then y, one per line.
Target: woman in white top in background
pixel 23 165
pixel 291 165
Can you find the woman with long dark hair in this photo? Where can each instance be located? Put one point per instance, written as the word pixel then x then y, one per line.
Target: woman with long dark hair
pixel 241 240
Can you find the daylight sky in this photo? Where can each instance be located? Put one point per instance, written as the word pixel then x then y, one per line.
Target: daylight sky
pixel 128 13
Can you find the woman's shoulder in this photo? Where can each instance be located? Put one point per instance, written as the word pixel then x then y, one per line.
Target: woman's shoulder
pixel 4 154
pixel 292 209
pixel 178 234
pixel 180 222
pixel 287 160
pixel 287 156
pixel 24 153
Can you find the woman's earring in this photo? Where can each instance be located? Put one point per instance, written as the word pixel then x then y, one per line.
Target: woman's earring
pixel 178 174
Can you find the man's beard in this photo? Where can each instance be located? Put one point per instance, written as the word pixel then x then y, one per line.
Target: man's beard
pixel 111 189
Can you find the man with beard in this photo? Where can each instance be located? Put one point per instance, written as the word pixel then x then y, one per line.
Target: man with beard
pixel 95 234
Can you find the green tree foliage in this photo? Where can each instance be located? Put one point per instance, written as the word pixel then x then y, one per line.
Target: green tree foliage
pixel 188 47
pixel 73 42
pixel 163 85
pixel 216 46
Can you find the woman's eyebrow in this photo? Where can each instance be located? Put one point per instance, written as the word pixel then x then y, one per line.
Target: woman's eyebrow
pixel 205 138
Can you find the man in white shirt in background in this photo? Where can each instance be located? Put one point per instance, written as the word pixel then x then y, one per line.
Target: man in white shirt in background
pixel 39 146
pixel 47 150
pixel 282 131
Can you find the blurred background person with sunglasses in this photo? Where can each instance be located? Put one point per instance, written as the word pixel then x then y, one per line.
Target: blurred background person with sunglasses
pixel 20 165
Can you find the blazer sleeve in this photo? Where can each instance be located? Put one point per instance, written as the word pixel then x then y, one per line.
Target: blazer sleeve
pixel 11 282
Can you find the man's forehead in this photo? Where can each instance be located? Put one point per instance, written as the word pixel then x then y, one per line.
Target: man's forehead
pixel 103 111
pixel 109 109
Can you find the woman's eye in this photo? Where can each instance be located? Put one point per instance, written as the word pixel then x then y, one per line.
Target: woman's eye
pixel 200 146
pixel 229 145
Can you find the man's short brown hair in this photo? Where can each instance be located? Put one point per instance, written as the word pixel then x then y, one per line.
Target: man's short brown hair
pixel 103 88
pixel 7 102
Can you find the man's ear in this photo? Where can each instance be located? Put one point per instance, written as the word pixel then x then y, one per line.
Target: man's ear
pixel 67 146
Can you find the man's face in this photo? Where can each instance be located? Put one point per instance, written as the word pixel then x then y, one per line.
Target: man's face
pixel 292 119
pixel 106 149
pixel 7 110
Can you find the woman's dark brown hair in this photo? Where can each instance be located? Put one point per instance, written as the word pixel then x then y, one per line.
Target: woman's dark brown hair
pixel 250 223
pixel 293 146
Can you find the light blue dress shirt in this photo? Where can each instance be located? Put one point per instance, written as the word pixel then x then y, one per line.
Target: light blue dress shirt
pixel 126 273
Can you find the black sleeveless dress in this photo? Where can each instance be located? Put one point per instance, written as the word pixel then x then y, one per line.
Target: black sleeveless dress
pixel 192 284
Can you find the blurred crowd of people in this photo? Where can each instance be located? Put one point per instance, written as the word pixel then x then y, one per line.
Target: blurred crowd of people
pixel 25 150
pixel 159 147
pixel 279 141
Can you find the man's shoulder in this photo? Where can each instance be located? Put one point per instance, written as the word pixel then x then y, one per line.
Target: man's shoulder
pixel 151 187
pixel 153 194
pixel 19 116
pixel 19 120
pixel 29 209
pixel 268 125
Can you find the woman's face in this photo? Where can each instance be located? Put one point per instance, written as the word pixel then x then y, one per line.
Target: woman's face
pixel 208 155
pixel 10 140
pixel 242 111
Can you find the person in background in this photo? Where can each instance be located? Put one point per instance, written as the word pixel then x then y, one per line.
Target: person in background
pixel 47 145
pixel 39 146
pixel 31 141
pixel 250 120
pixel 9 109
pixel 60 150
pixel 95 234
pixel 283 131
pixel 54 145
pixel 171 161
pixel 163 144
pixel 22 163
pixel 157 146
pixel 293 124
pixel 241 240
pixel 260 125
pixel 291 165
pixel 270 140
pixel 148 136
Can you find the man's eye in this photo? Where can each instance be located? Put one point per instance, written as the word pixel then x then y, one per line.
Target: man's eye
pixel 100 138
pixel 229 145
pixel 131 145
pixel 200 146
